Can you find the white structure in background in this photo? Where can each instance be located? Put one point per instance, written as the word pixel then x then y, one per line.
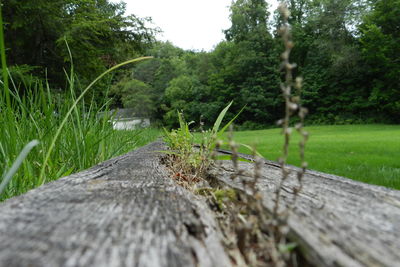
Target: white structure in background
pixel 130 123
pixel 125 119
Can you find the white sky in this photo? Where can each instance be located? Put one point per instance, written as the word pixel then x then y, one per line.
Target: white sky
pixel 189 24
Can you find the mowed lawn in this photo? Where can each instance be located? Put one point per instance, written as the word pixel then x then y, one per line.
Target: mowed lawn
pixel 367 153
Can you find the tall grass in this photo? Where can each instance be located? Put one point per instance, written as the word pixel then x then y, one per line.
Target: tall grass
pixel 71 134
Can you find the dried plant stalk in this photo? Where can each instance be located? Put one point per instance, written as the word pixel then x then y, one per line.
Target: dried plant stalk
pixel 292 107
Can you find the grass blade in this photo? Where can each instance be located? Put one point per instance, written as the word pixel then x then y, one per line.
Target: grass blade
pixel 17 163
pixel 230 122
pixel 72 108
pixel 4 62
pixel 220 118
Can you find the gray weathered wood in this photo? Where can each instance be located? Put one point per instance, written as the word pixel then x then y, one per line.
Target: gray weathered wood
pixel 123 212
pixel 337 221
pixel 128 212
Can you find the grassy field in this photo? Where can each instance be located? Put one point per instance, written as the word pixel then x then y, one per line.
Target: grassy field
pixel 367 153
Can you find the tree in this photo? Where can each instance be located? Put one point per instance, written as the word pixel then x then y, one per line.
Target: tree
pixel 249 20
pixel 98 34
pixel 328 56
pixel 31 31
pixel 248 65
pixel 180 96
pixel 137 95
pixel 380 43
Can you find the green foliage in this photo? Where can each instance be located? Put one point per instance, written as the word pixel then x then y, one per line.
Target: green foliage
pixel 180 88
pixel 179 95
pixel 249 21
pixel 380 44
pixel 180 139
pixel 136 95
pixel 38 114
pixel 334 52
pixel 248 76
pixel 85 140
pixel 181 142
pixel 189 161
pixel 74 108
pixel 222 194
pixel 251 62
pixel 345 50
pixel 4 64
pixel 17 163
pixel 98 33
pixel 328 56
pixel 242 70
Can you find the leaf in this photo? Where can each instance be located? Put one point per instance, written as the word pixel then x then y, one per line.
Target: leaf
pixel 229 157
pixel 230 122
pixel 285 248
pixel 252 150
pixel 220 118
pixel 215 133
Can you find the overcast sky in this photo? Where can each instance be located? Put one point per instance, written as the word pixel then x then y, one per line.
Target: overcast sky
pixel 189 24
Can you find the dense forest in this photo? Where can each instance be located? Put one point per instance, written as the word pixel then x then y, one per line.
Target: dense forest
pixel 346 51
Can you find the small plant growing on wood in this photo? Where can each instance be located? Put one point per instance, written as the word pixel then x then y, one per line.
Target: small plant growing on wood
pixel 188 162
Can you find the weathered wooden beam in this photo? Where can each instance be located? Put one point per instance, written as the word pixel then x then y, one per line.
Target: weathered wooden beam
pixel 128 212
pixel 336 221
pixel 123 212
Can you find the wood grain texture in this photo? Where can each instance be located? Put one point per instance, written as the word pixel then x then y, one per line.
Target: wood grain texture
pixel 336 221
pixel 127 212
pixel 123 212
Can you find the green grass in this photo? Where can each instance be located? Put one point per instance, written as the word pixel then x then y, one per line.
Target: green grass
pixel 84 141
pixel 367 153
pixel 71 134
